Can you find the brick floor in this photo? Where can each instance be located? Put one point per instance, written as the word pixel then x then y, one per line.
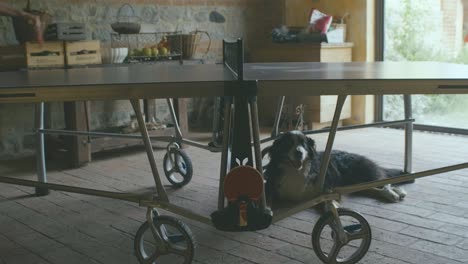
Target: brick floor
pixel 429 226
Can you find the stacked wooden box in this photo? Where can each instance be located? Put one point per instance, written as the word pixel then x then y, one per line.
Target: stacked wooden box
pixel 82 52
pixel 51 54
pixel 48 54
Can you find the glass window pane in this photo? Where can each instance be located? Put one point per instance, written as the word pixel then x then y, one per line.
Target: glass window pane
pixel 427 30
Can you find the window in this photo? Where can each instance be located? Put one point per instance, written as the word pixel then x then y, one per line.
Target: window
pixel 427 30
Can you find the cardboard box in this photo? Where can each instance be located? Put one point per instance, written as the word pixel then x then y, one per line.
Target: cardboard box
pixel 83 52
pixel 47 54
pixel 337 33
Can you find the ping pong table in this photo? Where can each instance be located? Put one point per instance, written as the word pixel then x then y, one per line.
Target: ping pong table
pixel 239 83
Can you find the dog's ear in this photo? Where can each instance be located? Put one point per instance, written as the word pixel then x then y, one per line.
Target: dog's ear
pixel 311 145
pixel 275 147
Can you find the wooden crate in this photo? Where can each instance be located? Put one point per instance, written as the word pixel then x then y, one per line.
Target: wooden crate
pixel 83 52
pixel 12 58
pixel 66 31
pixel 47 54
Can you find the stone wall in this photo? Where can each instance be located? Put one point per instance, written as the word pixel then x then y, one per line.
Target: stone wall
pixel 16 121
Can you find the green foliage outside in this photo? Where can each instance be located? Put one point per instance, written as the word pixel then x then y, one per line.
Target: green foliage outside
pixel 413 33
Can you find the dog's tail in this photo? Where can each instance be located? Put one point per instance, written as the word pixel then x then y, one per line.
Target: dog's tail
pixel 393 172
pixel 396 172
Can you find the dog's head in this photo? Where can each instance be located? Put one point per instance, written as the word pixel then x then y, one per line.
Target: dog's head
pixel 292 147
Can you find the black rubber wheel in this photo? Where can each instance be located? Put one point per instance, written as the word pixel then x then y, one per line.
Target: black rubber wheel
pixel 178 245
pixel 358 238
pixel 177 167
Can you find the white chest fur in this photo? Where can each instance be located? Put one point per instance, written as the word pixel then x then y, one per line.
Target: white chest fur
pixel 294 185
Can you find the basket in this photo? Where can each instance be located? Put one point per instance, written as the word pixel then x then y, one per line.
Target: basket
pixel 126 24
pixel 189 43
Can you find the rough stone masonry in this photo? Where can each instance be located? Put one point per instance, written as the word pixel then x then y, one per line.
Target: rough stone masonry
pixel 220 18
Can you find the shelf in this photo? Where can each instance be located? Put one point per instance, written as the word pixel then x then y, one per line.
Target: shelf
pixel 137 59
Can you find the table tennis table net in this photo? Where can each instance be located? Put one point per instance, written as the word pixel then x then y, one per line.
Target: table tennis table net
pixel 233 57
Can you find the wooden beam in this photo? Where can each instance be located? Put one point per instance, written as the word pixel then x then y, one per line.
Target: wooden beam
pixel 149 109
pixel 180 106
pixel 75 119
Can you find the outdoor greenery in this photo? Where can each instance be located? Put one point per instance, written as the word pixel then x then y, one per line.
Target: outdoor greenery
pixel 413 32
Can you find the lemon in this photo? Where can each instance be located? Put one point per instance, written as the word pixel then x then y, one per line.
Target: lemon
pixel 154 52
pixel 163 51
pixel 136 52
pixel 147 52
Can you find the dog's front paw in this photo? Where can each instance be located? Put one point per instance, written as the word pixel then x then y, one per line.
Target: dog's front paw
pixel 390 195
pixel 387 193
pixel 400 191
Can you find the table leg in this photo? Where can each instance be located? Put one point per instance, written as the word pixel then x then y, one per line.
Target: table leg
pixel 149 109
pixel 178 131
pixel 162 195
pixel 40 149
pixel 241 138
pixel 76 119
pixel 182 114
pixel 216 131
pixel 225 150
pixel 279 110
pixel 256 143
pixel 408 134
pixel 331 138
pixel 240 128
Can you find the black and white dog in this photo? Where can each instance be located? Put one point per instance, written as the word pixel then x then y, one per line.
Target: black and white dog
pixel 294 167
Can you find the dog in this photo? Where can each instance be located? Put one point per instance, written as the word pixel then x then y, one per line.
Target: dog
pixel 294 167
